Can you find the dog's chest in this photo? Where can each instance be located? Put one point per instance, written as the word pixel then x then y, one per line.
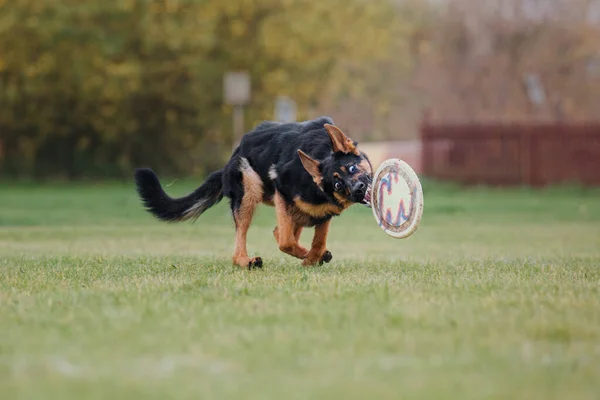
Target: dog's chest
pixel 307 214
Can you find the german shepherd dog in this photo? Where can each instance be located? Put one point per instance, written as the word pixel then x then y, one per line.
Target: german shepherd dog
pixel 309 171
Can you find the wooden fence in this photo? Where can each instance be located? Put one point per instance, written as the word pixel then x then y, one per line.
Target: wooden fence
pixel 512 154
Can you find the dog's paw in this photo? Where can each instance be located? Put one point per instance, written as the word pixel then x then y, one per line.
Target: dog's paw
pixel 255 262
pixel 313 260
pixel 327 257
pixel 247 262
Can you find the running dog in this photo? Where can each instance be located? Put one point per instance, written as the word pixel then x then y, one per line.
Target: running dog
pixel 309 171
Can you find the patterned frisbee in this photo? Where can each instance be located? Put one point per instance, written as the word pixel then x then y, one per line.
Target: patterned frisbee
pixel 397 198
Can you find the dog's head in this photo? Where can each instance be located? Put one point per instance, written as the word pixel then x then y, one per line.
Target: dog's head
pixel 347 175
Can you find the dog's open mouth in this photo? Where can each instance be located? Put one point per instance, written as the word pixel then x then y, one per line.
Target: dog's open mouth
pixel 367 198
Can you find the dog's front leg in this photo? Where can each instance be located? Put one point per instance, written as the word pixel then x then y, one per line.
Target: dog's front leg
pixel 318 252
pixel 286 231
pixel 297 233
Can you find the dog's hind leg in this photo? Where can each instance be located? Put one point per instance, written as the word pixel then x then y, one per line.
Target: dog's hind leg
pixel 287 232
pixel 243 211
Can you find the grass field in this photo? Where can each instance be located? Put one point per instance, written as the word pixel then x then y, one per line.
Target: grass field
pixel 495 297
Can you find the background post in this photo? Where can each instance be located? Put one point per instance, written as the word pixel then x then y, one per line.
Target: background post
pixel 236 89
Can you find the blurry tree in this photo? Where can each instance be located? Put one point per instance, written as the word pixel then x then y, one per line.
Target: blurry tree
pixel 94 88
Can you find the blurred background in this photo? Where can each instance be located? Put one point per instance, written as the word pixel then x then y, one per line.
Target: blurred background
pixel 483 91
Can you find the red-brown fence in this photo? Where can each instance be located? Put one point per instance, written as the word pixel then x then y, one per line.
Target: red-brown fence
pixel 512 154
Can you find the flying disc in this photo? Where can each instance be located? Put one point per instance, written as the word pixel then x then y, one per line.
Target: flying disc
pixel 397 198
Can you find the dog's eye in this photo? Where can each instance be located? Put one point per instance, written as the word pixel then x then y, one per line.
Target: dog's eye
pixel 338 185
pixel 352 169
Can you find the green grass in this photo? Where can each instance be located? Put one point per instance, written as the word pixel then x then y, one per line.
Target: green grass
pixel 496 296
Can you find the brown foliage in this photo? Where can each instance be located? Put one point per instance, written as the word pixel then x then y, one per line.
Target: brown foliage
pixel 481 53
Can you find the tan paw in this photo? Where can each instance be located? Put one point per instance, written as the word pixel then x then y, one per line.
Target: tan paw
pixel 312 259
pixel 247 262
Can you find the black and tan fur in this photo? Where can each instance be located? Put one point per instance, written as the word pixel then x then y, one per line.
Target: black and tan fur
pixel 309 171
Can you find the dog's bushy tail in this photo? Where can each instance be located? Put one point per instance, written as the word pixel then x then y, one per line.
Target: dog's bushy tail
pixel 169 209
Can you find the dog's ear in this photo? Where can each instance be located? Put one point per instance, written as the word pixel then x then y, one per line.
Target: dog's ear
pixel 311 166
pixel 341 142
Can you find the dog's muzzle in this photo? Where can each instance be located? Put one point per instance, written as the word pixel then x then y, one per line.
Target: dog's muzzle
pixel 362 193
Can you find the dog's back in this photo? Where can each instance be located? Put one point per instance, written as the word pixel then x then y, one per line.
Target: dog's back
pixel 271 145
